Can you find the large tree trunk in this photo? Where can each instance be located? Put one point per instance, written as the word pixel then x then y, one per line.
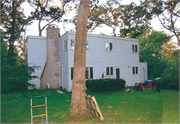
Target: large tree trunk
pixel 78 107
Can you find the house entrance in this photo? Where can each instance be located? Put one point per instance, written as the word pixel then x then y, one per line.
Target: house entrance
pixel 117 73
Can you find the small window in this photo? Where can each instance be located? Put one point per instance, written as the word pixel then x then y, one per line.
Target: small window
pixel 135 70
pixel 87 46
pixel 109 70
pixel 72 44
pixel 91 72
pixel 134 48
pixel 109 46
pixel 71 73
pixel 86 73
pixel 65 44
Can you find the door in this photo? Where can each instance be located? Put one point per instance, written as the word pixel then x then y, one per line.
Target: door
pixel 117 73
pixel 61 77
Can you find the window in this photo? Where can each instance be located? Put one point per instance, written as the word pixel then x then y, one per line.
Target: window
pixel 72 44
pixel 109 46
pixel 71 73
pixel 88 73
pixel 65 44
pixel 134 48
pixel 135 70
pixel 87 46
pixel 109 70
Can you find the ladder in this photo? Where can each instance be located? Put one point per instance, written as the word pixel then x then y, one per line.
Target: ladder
pixel 39 106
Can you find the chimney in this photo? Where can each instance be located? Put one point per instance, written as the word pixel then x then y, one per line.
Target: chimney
pixel 51 70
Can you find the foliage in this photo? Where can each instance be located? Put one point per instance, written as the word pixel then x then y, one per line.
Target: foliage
pixel 167 14
pixel 45 10
pixel 131 20
pixel 136 20
pixel 105 85
pixel 13 23
pixel 170 77
pixel 15 78
pixel 150 51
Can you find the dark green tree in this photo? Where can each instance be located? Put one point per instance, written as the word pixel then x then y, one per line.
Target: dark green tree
pixel 13 23
pixel 136 20
pixel 150 51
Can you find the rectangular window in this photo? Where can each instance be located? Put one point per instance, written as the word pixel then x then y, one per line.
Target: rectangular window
pixel 134 48
pixel 72 43
pixel 86 73
pixel 65 44
pixel 109 70
pixel 71 73
pixel 135 70
pixel 91 72
pixel 109 46
pixel 87 46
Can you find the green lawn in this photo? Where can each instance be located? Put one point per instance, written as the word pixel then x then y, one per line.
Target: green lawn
pixel 117 107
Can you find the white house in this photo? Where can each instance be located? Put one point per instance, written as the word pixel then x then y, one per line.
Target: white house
pixel 113 57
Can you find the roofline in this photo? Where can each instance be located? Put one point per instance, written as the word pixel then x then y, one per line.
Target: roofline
pixel 35 37
pixel 88 35
pixel 105 36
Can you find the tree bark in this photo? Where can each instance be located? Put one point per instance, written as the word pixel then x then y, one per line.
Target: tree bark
pixel 78 107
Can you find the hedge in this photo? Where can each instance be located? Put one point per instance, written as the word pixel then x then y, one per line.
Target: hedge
pixel 105 85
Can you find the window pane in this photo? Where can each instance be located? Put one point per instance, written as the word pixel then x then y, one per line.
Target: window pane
pixel 136 48
pixel 136 70
pixel 111 70
pixel 107 70
pixel 86 73
pixel 133 70
pixel 91 72
pixel 71 73
pixel 87 47
pixel 107 47
pixel 133 48
pixel 65 44
pixel 111 47
pixel 72 44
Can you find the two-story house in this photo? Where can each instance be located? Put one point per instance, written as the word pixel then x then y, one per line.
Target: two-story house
pixel 113 57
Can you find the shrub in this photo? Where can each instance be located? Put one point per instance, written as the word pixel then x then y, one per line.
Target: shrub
pixel 105 85
pixel 15 78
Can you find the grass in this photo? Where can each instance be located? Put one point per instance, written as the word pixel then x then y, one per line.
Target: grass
pixel 116 107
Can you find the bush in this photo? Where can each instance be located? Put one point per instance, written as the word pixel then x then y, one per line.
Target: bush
pixel 105 85
pixel 15 78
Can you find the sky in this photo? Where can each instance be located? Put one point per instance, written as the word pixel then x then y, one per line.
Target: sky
pixel 33 28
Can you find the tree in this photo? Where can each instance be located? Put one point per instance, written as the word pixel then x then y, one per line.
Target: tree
pixel 13 23
pixel 131 20
pixel 150 51
pixel 44 11
pixel 78 101
pixel 167 14
pixel 136 20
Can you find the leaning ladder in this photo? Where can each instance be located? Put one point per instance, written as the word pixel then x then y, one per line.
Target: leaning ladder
pixel 39 106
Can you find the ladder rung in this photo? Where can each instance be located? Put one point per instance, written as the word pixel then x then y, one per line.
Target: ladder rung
pixel 38 106
pixel 38 115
